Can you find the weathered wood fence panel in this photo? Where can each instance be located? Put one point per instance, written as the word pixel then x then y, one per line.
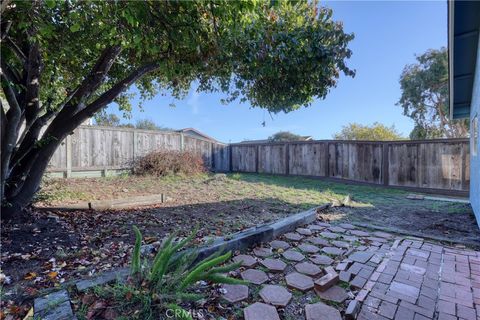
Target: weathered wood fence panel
pixel 95 148
pixel 244 158
pixel 308 159
pixel 272 159
pixel 427 164
pixel 221 157
pixel 355 161
pixel 442 165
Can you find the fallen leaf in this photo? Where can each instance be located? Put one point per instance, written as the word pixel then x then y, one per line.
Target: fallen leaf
pixel 52 275
pixel 30 276
pixel 149 240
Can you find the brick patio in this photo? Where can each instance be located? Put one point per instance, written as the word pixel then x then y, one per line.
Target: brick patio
pixel 362 274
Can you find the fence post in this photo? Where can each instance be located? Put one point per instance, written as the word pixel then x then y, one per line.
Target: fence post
pixel 182 142
pixel 327 159
pixel 287 158
pixel 385 163
pixel 134 144
pixel 230 164
pixel 257 151
pixel 68 149
pixel 212 155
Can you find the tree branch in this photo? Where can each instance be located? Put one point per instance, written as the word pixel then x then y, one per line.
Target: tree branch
pixel 91 83
pixel 32 95
pixel 12 119
pixel 17 51
pixel 108 96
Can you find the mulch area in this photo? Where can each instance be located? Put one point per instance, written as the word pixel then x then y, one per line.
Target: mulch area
pixel 54 247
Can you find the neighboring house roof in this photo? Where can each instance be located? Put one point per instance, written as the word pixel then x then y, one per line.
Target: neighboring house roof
pixel 463 33
pixel 303 138
pixel 195 132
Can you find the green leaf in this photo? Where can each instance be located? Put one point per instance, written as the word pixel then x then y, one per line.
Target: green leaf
pixel 50 4
pixel 75 27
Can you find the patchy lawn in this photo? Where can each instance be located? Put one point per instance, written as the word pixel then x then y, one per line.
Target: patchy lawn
pixel 57 246
pixel 262 198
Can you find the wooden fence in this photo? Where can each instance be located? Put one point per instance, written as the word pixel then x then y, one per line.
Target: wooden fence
pixel 429 165
pixel 95 150
pixel 436 165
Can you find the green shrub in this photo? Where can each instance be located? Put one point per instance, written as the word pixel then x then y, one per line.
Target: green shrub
pixel 167 282
pixel 166 162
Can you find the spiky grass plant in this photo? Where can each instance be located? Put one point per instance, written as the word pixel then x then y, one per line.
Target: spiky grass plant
pixel 171 275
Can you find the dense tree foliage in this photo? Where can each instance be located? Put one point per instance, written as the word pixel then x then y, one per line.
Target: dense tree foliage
pixel 147 124
pixel 107 119
pixel 375 132
pixel 425 98
pixel 63 61
pixel 285 136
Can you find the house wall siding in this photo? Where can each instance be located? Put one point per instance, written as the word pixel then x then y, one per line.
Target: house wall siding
pixel 475 159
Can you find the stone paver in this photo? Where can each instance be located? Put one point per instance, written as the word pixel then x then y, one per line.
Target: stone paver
pixel 347 226
pixel 315 227
pixel 254 276
pixel 234 292
pixel 261 311
pixel 333 251
pixel 308 268
pixel 262 252
pixel 385 276
pixel 328 280
pixel 329 235
pixel 361 256
pixel 299 281
pixel 359 233
pixel 318 241
pixel 341 244
pixel 293 236
pixel 337 229
pixel 308 248
pixel 275 295
pixel 321 259
pixel 335 294
pixel 274 265
pixel 293 255
pixel 247 260
pixel 304 231
pixel 279 244
pixel 321 311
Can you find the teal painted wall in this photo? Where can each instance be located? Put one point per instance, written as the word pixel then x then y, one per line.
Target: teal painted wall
pixel 475 159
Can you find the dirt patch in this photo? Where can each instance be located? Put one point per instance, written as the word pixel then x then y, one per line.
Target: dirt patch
pixel 453 221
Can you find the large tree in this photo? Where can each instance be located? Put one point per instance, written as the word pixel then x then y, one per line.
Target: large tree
pixel 63 61
pixel 374 132
pixel 285 136
pixel 425 97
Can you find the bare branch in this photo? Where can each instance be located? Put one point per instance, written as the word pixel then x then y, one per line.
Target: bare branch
pixel 108 96
pixel 88 86
pixel 32 96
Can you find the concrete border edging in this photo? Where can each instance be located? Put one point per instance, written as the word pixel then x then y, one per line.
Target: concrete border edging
pixel 60 308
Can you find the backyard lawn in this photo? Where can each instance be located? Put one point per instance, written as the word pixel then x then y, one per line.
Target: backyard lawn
pixel 223 204
pixel 62 245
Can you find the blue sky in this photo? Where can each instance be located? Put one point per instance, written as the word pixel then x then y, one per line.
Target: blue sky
pixel 388 34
